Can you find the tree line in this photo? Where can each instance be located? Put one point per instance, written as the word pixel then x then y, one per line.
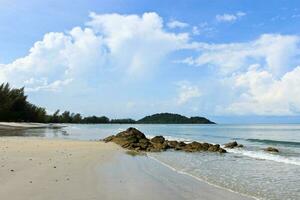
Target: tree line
pixel 14 107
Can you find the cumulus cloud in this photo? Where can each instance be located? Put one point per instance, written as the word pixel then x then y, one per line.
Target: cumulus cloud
pixel 136 43
pixel 229 17
pixel 127 44
pixel 186 92
pixel 260 93
pixel 277 53
pixel 259 76
pixel 177 24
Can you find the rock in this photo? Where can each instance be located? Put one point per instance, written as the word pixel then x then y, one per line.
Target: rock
pixel 131 132
pixel 109 138
pixel 180 146
pixel 221 150
pixel 156 147
pixel 231 145
pixel 271 149
pixel 193 147
pixel 172 144
pixel 143 144
pixel 158 139
pixel 205 146
pixel 133 139
pixel 214 148
pixel 176 145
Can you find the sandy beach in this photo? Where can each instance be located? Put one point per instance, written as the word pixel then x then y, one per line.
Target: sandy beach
pixel 39 168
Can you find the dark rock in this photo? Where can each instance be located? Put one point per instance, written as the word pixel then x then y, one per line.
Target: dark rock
pixel 214 148
pixel 205 146
pixel 271 149
pixel 133 139
pixel 172 144
pixel 181 144
pixel 109 138
pixel 157 147
pixel 176 145
pixel 158 139
pixel 221 150
pixel 131 132
pixel 231 145
pixel 193 147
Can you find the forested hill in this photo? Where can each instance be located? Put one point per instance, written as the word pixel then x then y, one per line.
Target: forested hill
pixel 169 118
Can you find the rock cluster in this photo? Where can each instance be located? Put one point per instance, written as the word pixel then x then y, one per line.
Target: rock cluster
pixel 133 139
pixel 232 145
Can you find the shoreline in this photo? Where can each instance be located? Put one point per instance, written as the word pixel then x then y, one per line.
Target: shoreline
pixel 27 125
pixel 84 162
pixel 202 180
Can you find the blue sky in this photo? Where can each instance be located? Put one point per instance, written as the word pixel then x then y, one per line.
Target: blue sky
pixel 233 61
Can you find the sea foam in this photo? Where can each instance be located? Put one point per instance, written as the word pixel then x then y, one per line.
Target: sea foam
pixel 266 156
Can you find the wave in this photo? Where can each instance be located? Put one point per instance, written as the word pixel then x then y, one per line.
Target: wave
pixel 274 142
pixel 267 156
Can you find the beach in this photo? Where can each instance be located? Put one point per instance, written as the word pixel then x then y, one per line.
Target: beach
pixel 42 168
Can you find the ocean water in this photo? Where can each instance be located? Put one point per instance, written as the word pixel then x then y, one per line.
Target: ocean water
pixel 249 170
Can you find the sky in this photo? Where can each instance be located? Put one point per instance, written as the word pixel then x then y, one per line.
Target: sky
pixel 232 61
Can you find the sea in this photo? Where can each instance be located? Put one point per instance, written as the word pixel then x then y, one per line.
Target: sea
pixel 250 170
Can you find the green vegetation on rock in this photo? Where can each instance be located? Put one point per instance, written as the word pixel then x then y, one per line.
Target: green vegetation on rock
pixel 169 118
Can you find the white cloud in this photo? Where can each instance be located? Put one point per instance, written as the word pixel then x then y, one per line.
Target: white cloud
pixel 277 53
pixel 229 17
pixel 54 86
pixel 137 42
pixel 260 93
pixel 186 92
pixel 177 24
pixel 203 29
pixel 127 44
pixel 259 76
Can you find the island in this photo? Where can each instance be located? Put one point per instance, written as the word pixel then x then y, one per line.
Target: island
pixel 170 118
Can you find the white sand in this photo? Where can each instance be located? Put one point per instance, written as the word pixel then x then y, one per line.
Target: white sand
pixel 50 169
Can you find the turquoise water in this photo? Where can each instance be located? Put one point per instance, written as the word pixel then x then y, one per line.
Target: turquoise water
pixel 249 171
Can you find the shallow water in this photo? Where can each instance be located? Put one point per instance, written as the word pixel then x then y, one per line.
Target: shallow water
pixel 249 170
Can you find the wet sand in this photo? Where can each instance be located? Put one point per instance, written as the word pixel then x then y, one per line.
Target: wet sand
pixel 38 168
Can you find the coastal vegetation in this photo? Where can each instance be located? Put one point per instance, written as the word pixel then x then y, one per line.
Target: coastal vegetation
pixel 170 118
pixel 14 107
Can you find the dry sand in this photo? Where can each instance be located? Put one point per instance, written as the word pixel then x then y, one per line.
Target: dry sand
pixel 50 169
pixel 46 169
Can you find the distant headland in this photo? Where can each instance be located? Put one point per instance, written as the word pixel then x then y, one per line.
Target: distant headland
pixel 170 118
pixel 14 107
